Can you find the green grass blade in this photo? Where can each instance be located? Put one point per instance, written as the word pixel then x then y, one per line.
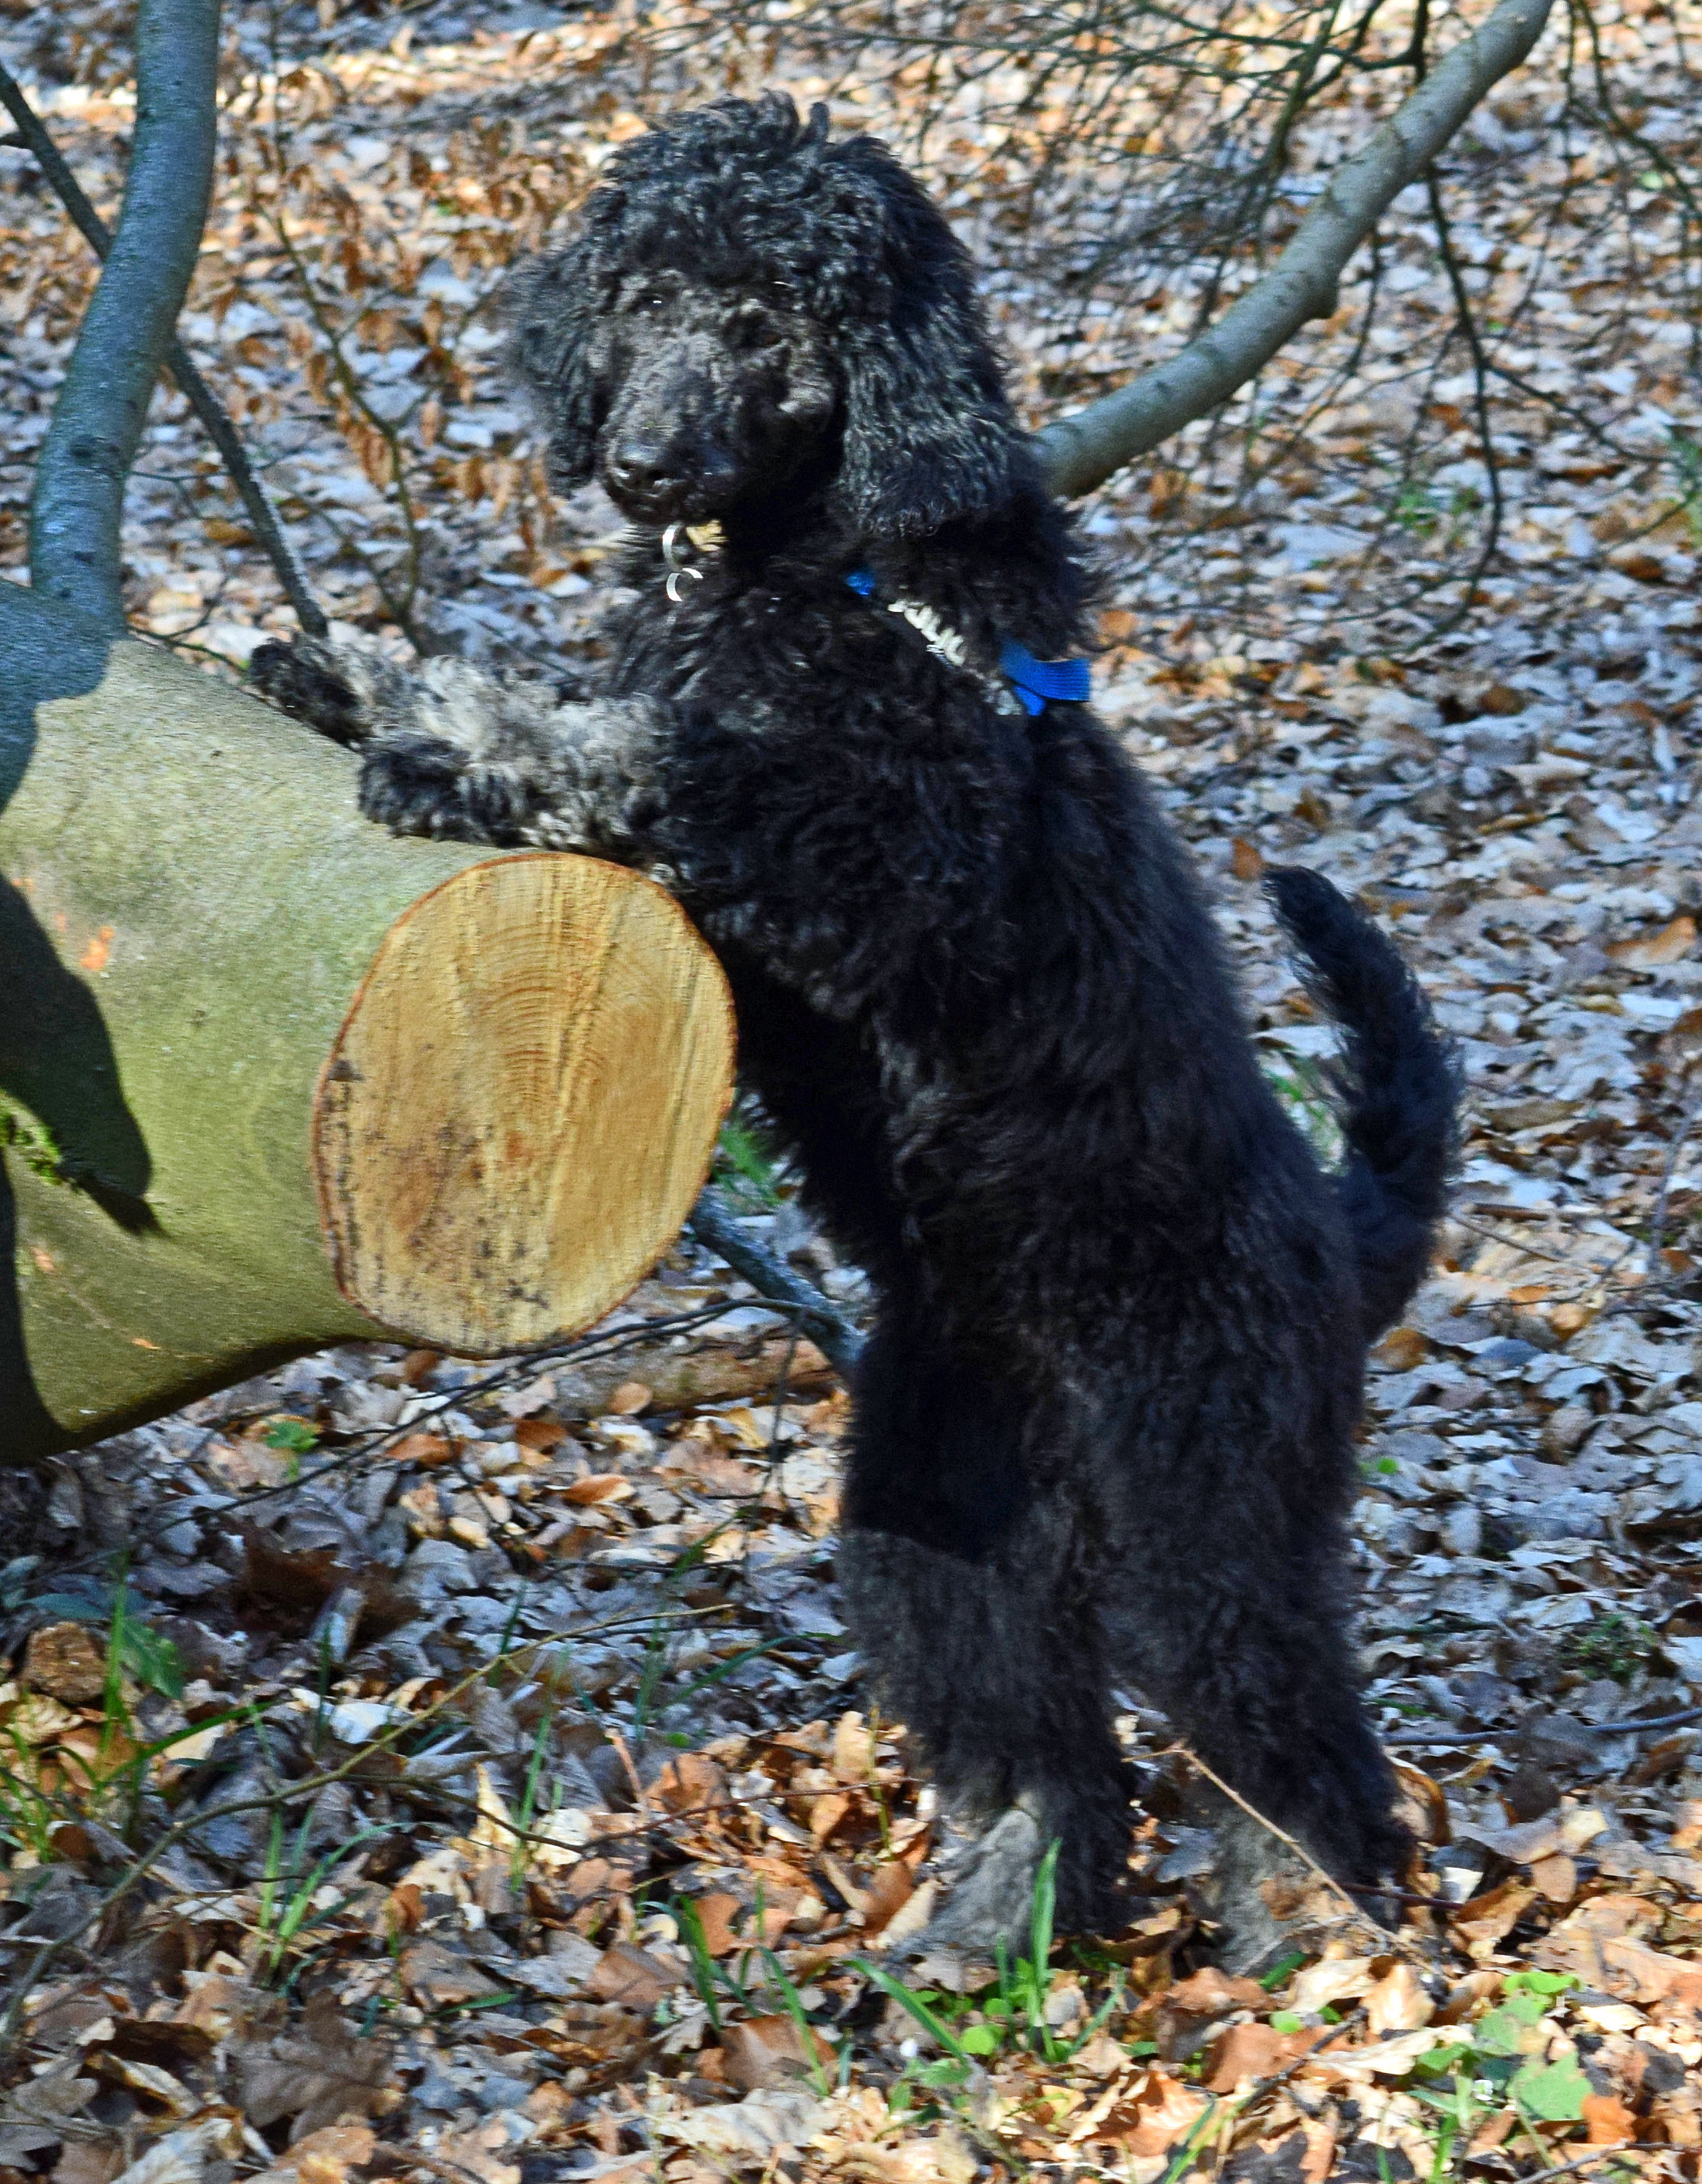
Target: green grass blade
pixel 936 2029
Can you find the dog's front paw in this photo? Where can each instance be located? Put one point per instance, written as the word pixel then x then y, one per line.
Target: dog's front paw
pixel 421 785
pixel 299 679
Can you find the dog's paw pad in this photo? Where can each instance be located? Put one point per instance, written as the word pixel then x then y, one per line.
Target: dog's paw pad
pixel 421 785
pixel 294 679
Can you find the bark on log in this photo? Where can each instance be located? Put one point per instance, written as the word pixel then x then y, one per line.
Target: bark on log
pixel 196 927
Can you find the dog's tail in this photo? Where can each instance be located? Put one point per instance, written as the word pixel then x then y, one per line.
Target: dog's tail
pixel 1400 1082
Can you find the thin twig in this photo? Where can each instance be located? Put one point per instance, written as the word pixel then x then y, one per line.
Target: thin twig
pixel 1282 1835
pixel 1657 1225
pixel 600 1343
pixel 1595 2154
pixel 216 419
pixel 400 608
pixel 1466 319
pixel 1445 1740
pixel 1649 1721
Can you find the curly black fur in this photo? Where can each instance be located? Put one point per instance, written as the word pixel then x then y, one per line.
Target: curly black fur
pixel 1104 1425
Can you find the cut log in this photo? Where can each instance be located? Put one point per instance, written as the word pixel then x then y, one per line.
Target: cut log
pixel 507 1136
pixel 228 1006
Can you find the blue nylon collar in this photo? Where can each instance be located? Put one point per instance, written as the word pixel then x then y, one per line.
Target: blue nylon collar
pixel 1036 682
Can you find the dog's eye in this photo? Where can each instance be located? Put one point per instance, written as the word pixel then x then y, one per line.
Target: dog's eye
pixel 652 299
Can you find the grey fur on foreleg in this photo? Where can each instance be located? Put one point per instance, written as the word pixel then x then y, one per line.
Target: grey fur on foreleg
pixel 451 751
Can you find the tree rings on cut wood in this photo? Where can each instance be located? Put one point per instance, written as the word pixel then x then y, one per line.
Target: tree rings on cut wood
pixel 523 1103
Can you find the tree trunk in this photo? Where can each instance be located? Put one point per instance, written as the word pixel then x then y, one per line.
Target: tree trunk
pixel 78 501
pixel 236 1021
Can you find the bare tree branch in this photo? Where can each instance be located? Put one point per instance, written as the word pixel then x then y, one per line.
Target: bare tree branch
pixel 201 399
pixel 714 1222
pixel 127 331
pixel 1081 452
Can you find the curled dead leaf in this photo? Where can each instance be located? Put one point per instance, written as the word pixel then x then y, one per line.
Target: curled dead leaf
pixel 600 1486
pixel 770 2051
pixel 427 1450
pixel 887 1893
pixel 1424 1803
pixel 853 1759
pixel 1398 2003
pixel 634 1977
pixel 1649 951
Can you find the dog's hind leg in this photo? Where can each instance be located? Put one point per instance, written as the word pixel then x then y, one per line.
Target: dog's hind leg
pixel 1247 1653
pixel 966 1587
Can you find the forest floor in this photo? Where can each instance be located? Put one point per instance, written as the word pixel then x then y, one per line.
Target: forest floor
pixel 429 1769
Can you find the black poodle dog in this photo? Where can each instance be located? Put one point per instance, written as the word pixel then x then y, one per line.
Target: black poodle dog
pixel 1104 1425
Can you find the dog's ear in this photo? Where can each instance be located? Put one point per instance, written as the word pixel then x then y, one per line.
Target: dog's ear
pixel 551 308
pixel 930 436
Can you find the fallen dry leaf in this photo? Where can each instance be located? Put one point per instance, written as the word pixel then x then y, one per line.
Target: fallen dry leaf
pixel 63 1660
pixel 427 1450
pixel 1556 1877
pixel 319 2073
pixel 910 1916
pixel 181 2156
pixel 628 1975
pixel 1649 951
pixel 1608 2121
pixel 716 1912
pixel 888 1890
pixel 1382 2058
pixel 1212 1992
pixel 1163 2111
pixel 1398 2003
pixel 1629 1970
pixel 438 1977
pixel 326 2156
pixel 1251 2051
pixel 853 1759
pixel 1487 1920
pixel 770 2051
pixel 762 2125
pixel 690 1783
pixel 600 1486
pixel 1331 1980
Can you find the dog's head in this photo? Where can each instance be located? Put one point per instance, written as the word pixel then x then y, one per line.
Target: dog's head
pixel 749 311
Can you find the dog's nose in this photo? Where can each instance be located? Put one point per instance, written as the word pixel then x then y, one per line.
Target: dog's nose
pixel 641 469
